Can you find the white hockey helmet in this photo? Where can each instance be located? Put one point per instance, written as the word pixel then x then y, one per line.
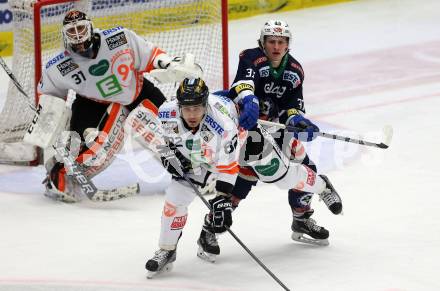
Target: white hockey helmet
pixel 77 31
pixel 275 28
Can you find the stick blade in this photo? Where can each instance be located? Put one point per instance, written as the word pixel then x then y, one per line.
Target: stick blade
pixel 388 135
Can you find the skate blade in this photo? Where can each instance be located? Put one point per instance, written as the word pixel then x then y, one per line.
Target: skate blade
pixel 206 256
pixel 165 269
pixel 299 237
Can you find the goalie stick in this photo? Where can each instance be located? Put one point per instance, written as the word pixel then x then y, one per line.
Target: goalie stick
pixel 155 133
pixel 73 168
pixel 387 132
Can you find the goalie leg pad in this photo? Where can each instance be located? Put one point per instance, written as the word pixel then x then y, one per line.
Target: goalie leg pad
pixel 102 149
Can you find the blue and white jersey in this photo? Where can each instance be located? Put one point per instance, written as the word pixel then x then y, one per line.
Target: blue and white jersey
pixel 279 91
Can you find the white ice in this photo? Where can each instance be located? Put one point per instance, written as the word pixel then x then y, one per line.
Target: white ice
pixel 367 64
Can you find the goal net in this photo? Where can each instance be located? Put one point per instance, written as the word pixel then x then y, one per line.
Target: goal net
pixel 177 26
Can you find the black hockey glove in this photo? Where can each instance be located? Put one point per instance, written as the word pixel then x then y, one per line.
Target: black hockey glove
pixel 221 213
pixel 186 164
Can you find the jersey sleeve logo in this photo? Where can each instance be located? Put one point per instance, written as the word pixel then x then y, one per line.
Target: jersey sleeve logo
pixel 206 134
pixel 260 60
pixel 292 77
pixel 292 111
pixel 264 72
pixel 111 30
pixel 167 114
pixel 243 86
pixel 214 125
pixel 56 59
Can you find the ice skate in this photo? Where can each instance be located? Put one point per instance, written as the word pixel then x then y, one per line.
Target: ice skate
pixel 161 262
pixel 330 197
pixel 208 246
pixel 304 225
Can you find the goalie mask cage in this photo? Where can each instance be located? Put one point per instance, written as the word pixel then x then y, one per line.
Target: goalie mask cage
pixel 177 26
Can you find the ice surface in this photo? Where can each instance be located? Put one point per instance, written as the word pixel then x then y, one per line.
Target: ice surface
pixel 367 64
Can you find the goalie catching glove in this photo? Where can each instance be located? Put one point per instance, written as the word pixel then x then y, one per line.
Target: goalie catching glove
pixel 177 69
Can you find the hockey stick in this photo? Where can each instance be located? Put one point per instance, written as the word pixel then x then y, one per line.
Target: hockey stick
pixel 73 168
pixel 166 152
pixel 16 83
pixel 387 132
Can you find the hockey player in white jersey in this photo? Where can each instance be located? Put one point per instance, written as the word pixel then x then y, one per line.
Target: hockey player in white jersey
pixel 202 130
pixel 105 68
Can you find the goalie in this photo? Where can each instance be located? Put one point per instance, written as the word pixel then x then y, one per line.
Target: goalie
pixel 105 68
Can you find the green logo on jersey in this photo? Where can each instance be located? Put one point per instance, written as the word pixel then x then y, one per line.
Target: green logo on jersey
pixel 193 144
pixel 270 169
pixel 109 86
pixel 100 68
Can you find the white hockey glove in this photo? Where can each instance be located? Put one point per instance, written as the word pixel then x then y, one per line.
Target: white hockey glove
pixel 177 70
pixel 50 119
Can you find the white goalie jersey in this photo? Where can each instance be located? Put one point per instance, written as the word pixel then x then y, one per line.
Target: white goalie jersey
pixel 115 75
pixel 216 144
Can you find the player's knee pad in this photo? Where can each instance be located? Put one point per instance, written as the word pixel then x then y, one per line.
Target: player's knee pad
pixel 103 145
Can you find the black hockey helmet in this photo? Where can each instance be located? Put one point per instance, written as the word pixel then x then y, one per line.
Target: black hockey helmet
pixel 77 32
pixel 192 92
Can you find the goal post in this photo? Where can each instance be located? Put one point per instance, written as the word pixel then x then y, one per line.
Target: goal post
pixel 177 26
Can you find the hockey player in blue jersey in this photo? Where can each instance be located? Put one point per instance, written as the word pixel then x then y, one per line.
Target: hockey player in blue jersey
pixel 269 85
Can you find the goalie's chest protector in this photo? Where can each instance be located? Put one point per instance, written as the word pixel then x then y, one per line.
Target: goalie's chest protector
pixel 110 77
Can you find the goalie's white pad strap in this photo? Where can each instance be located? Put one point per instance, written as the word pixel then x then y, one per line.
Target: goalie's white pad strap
pixel 49 120
pixel 177 71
